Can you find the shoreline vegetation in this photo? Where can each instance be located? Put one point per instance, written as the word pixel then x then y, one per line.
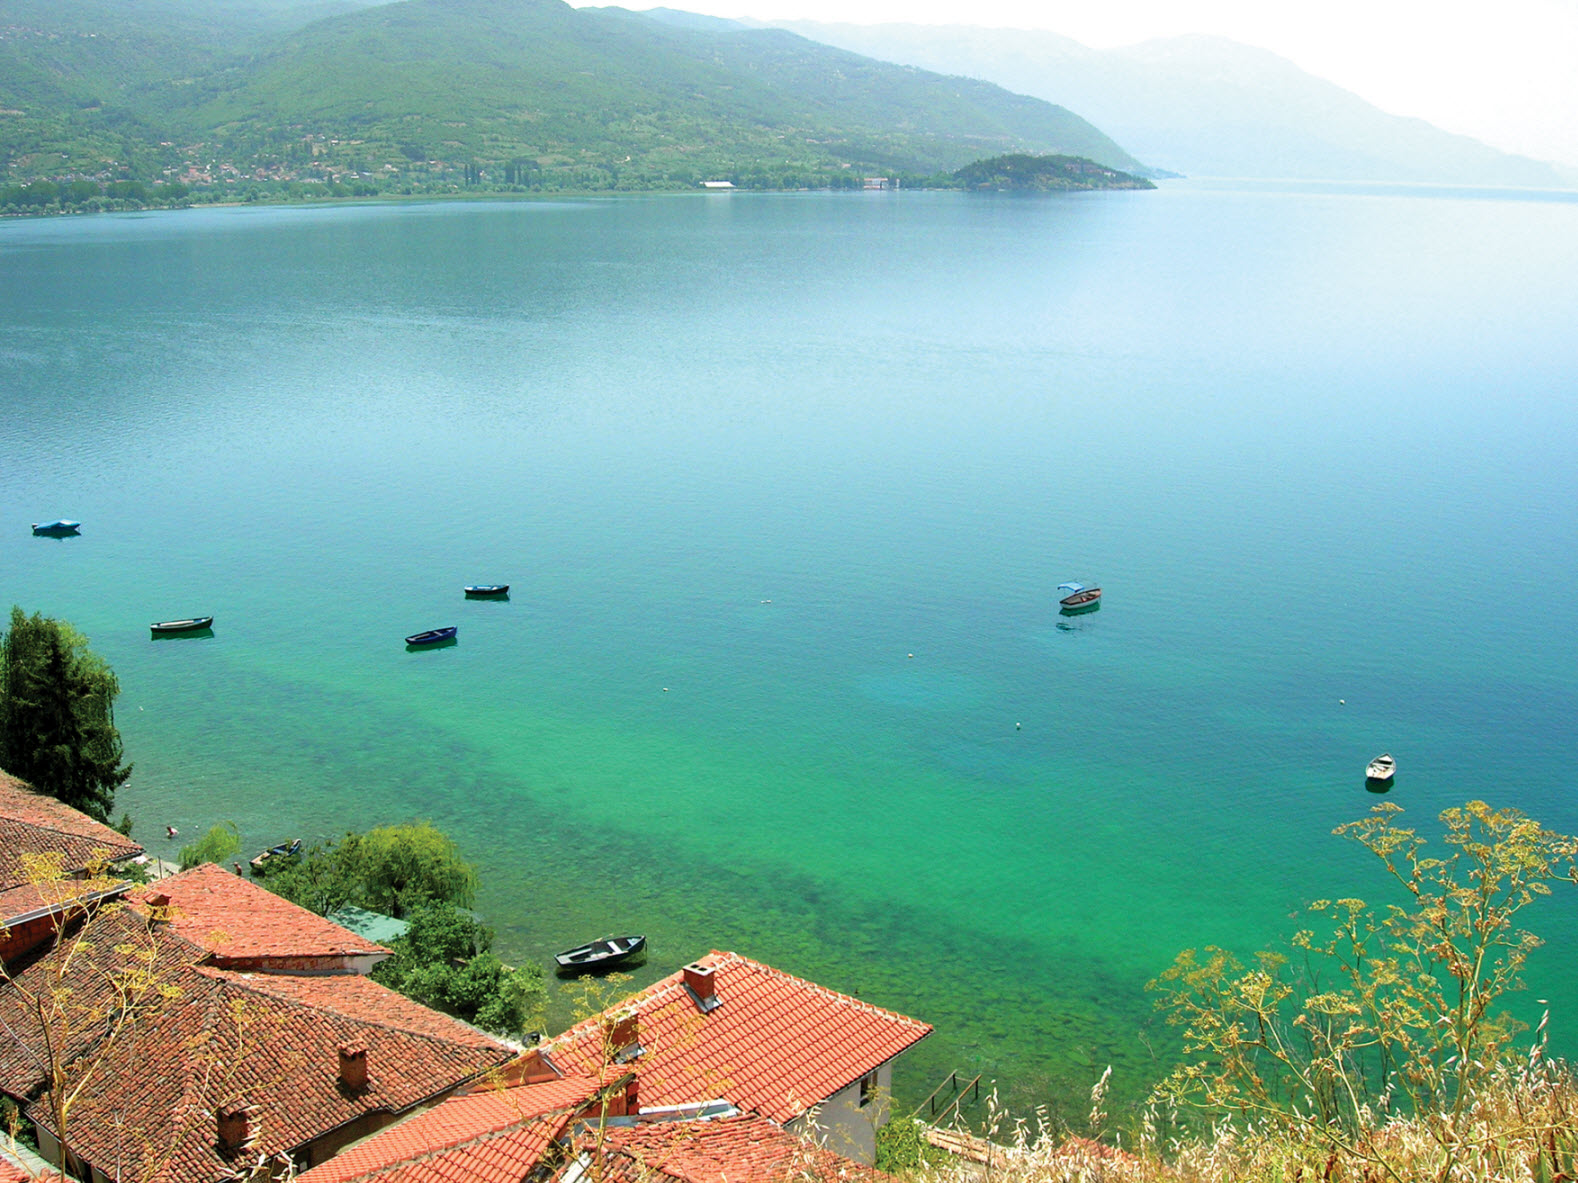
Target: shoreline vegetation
pixel 1016 172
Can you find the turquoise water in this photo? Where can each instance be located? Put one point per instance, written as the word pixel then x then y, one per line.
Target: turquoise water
pixel 783 486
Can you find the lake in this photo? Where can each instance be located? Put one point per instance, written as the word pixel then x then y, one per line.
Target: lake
pixel 784 486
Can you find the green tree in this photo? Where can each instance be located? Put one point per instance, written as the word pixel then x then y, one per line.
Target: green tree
pixel 222 841
pixel 445 961
pixel 391 869
pixel 57 715
pixel 1396 1012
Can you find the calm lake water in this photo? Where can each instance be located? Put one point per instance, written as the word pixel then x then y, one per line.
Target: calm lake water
pixel 784 486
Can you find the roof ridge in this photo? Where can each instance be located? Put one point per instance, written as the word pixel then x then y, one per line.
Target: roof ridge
pixel 834 995
pixel 54 829
pixel 674 982
pixel 242 979
pixel 431 1151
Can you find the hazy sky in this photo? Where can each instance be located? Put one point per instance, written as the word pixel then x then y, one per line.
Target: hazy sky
pixel 1503 71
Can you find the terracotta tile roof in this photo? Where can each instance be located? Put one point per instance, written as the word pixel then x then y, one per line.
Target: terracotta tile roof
pixel 211 1037
pixel 775 1045
pixel 10 1172
pixel 236 920
pixel 486 1136
pixel 358 1000
pixel 18 1164
pixel 742 1149
pixel 51 895
pixel 34 824
pixel 97 967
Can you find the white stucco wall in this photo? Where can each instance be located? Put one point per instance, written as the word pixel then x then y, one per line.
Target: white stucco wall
pixel 847 1128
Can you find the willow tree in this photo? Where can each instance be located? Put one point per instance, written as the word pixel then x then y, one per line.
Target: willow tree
pixel 57 714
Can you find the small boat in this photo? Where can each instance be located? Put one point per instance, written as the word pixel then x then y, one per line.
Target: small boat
pixel 1383 767
pixel 283 850
pixel 1079 596
pixel 601 954
pixel 487 589
pixel 57 529
pixel 190 625
pixel 433 636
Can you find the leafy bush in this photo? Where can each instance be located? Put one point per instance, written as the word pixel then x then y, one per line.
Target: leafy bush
pixel 899 1145
pixel 213 847
pixel 444 961
pixel 391 869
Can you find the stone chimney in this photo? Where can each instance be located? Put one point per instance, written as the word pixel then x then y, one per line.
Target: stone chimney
pixel 353 1067
pixel 237 1124
pixel 624 1036
pixel 158 907
pixel 700 981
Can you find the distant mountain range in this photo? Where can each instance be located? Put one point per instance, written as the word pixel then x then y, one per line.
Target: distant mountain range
pixel 1203 106
pixel 527 93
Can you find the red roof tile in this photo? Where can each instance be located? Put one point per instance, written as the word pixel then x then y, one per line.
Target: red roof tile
pixel 486 1136
pixel 98 969
pixel 742 1149
pixel 358 999
pixel 32 824
pixel 51 895
pixel 776 1045
pixel 207 1037
pixel 236 920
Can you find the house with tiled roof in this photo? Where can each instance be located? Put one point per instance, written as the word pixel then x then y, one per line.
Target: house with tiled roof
pixel 54 861
pixel 226 1034
pixel 726 1027
pixel 486 1135
pixel 244 927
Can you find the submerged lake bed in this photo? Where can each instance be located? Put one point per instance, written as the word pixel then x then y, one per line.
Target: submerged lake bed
pixel 783 487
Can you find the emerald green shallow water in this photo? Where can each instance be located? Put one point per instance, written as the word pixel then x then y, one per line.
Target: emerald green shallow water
pixel 783 487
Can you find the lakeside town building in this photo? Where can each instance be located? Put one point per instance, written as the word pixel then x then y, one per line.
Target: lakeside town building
pixel 53 859
pixel 202 1029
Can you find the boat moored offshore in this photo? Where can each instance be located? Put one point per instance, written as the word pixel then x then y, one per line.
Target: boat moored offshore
pixel 601 954
pixel 191 624
pixel 1079 597
pixel 433 636
pixel 1382 768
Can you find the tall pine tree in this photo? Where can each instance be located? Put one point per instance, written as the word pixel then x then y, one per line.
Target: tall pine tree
pixel 57 715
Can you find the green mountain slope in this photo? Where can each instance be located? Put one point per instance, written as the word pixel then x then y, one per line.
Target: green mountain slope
pixel 489 91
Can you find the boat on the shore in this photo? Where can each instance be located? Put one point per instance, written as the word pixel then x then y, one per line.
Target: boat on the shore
pixel 283 850
pixel 1382 768
pixel 1079 597
pixel 190 625
pixel 433 636
pixel 482 590
pixel 601 954
pixel 57 529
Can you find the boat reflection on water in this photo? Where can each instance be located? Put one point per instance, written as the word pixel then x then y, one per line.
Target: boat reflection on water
pixel 1080 609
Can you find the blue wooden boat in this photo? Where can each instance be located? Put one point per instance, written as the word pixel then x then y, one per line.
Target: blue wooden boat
pixel 190 625
pixel 487 589
pixel 433 636
pixel 283 851
pixel 57 529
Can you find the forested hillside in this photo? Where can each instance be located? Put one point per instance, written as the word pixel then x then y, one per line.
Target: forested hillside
pixel 480 94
